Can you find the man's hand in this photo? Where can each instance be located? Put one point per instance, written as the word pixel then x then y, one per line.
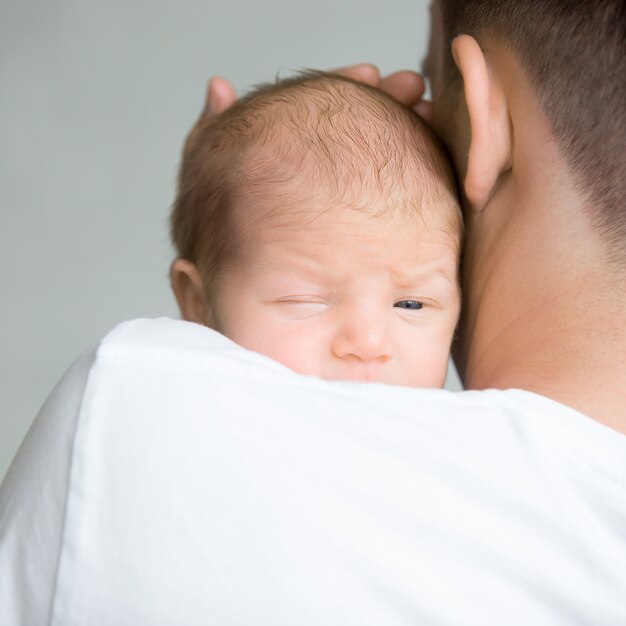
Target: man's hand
pixel 220 94
pixel 405 86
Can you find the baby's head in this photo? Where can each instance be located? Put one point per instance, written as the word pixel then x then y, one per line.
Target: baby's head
pixel 317 223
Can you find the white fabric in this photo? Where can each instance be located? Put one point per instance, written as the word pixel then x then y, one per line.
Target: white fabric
pixel 175 478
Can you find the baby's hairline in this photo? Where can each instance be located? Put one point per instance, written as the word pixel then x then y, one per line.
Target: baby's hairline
pixel 291 195
pixel 424 203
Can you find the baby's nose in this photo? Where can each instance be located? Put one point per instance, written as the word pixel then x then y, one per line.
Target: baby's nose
pixel 364 340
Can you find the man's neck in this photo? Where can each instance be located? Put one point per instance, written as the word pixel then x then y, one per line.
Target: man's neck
pixel 545 313
pixel 576 361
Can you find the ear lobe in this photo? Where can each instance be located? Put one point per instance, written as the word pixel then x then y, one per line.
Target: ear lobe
pixel 491 143
pixel 188 289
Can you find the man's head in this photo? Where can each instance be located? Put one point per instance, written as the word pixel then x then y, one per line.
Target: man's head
pixel 316 222
pixel 530 98
pixel 574 54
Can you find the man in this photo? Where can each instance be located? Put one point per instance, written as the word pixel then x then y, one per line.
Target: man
pixel 543 181
pixel 347 505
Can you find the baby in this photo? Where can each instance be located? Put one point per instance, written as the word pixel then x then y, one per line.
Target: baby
pixel 316 222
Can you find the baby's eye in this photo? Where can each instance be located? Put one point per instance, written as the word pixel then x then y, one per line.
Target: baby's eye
pixel 411 305
pixel 302 307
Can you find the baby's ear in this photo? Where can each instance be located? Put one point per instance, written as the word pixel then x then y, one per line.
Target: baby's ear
pixel 189 291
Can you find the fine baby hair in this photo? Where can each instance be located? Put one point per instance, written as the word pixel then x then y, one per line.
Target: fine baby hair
pixel 316 133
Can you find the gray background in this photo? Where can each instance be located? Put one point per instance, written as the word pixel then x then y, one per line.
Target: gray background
pixel 95 99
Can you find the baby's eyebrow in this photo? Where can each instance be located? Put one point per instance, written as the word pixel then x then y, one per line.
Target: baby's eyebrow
pixel 436 274
pixel 310 269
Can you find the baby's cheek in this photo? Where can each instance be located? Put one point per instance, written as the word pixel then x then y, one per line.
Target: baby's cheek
pixel 298 349
pixel 292 344
pixel 427 361
pixel 259 328
pixel 430 373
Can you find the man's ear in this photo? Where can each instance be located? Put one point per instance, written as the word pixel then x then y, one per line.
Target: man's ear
pixel 491 143
pixel 189 291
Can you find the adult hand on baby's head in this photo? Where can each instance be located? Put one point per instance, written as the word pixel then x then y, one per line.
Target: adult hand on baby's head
pixel 220 94
pixel 405 86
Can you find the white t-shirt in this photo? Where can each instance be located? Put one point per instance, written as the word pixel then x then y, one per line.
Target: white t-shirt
pixel 175 478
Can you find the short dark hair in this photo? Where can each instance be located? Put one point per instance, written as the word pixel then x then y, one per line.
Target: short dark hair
pixel 574 54
pixel 330 132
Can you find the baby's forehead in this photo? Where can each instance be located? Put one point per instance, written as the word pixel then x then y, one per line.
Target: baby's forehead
pixel 342 245
pixel 302 212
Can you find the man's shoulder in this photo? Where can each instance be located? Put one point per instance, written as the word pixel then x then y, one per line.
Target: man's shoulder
pixel 194 371
pixel 189 348
pixel 276 490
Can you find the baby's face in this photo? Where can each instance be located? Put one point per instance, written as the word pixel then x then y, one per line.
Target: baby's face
pixel 345 295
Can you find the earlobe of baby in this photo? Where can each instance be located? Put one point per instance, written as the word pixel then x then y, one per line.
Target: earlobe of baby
pixel 189 292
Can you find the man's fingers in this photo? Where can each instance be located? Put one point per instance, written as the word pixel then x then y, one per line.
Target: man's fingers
pixel 424 108
pixel 406 86
pixel 364 73
pixel 219 96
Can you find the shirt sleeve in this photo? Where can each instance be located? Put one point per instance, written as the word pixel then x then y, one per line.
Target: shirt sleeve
pixel 33 500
